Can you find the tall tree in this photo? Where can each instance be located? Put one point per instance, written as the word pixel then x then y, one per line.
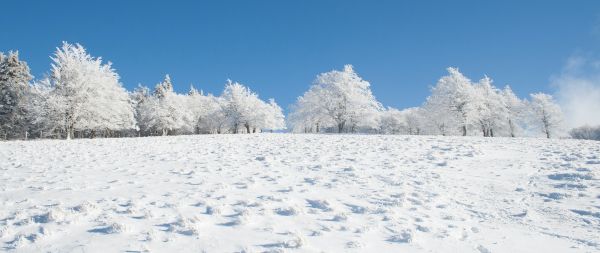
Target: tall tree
pixel 343 98
pixel 452 99
pixel 490 112
pixel 171 112
pixel 88 92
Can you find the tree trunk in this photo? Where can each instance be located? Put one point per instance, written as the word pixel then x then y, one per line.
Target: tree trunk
pixel 491 132
pixel 512 128
pixel 318 128
pixel 340 127
pixel 247 128
pixel 464 130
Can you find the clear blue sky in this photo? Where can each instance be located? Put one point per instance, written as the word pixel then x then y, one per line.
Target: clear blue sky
pixel 278 47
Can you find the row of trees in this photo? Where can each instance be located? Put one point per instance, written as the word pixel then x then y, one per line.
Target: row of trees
pixel 83 97
pixel 340 101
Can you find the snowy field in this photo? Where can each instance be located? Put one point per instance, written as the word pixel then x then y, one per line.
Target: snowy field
pixel 300 193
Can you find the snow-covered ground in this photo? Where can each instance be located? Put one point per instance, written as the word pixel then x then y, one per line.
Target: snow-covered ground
pixel 300 193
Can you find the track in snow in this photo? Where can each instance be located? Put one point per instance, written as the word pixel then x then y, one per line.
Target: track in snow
pixel 300 193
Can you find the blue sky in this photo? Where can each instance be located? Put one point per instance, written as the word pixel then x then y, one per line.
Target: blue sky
pixel 278 47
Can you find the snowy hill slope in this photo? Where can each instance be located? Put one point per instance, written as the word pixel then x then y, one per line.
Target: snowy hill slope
pixel 300 193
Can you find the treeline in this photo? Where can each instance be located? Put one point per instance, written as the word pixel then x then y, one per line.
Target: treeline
pixel 82 97
pixel 342 102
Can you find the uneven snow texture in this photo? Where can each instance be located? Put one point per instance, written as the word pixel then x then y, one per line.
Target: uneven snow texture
pixel 300 193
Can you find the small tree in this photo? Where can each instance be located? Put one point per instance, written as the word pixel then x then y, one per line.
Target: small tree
pixel 514 107
pixel 547 115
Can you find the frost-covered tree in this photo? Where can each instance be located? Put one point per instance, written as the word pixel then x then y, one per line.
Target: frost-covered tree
pixel 490 112
pixel 217 119
pixel 88 93
pixel 307 115
pixel 44 113
pixel 273 118
pixel 338 99
pixel 413 118
pixel 240 102
pixel 170 111
pixel 197 106
pixel 15 79
pixel 143 108
pixel 546 114
pixel 392 121
pixel 586 133
pixel 450 104
pixel 244 109
pixel 515 109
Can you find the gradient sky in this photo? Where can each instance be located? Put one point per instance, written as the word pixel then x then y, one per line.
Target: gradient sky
pixel 278 47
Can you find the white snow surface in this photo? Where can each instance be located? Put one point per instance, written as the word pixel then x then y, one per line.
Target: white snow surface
pixel 300 193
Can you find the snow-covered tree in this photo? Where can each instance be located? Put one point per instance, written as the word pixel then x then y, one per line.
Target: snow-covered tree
pixel 143 108
pixel 546 114
pixel 240 102
pixel 44 112
pixel 88 93
pixel 15 79
pixel 392 121
pixel 197 106
pixel 413 118
pixel 490 112
pixel 586 133
pixel 450 104
pixel 244 109
pixel 273 118
pixel 170 111
pixel 515 108
pixel 341 99
pixel 217 119
pixel 307 115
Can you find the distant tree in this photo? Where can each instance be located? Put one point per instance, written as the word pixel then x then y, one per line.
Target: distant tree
pixel 414 120
pixel 546 114
pixel 586 133
pixel 392 121
pixel 15 79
